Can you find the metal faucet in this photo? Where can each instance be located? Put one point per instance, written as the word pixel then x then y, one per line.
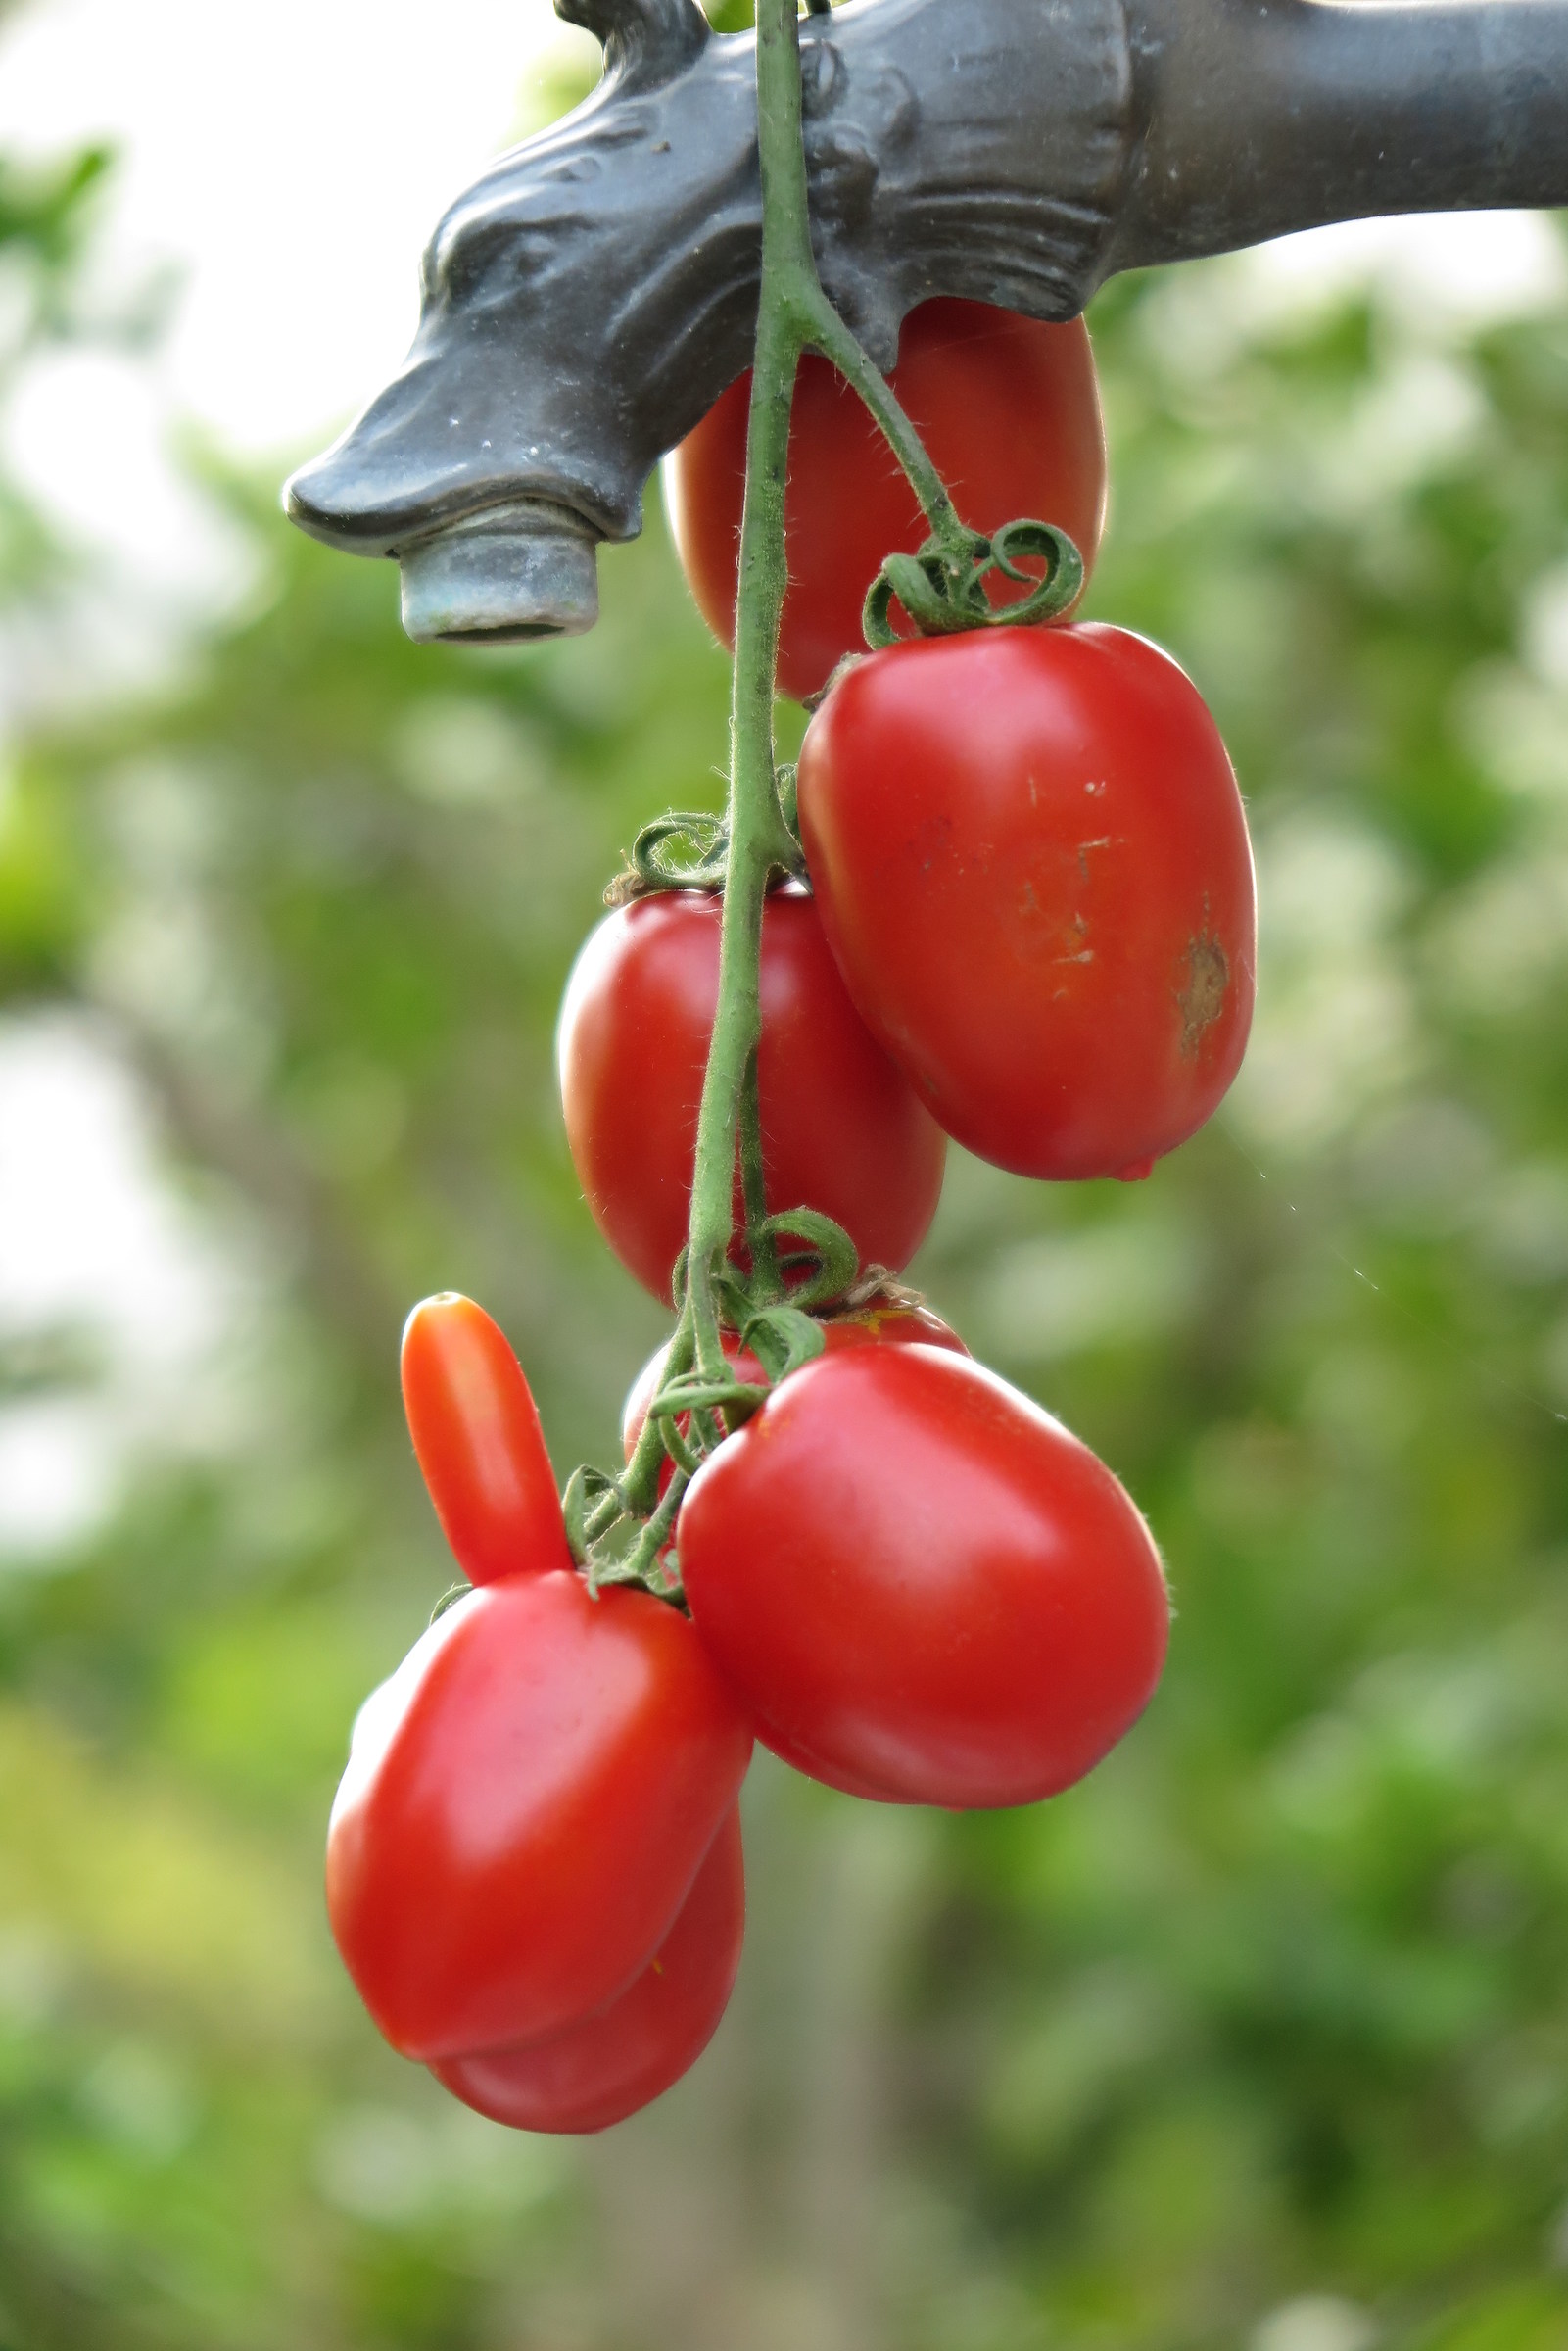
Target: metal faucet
pixel 593 293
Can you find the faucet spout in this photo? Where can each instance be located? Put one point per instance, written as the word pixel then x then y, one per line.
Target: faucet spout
pixel 523 569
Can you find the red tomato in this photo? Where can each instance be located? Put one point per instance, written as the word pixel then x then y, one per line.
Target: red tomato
pixel 1033 870
pixel 527 1804
pixel 921 1585
pixel 843 1129
pixel 477 1437
pixel 1010 412
pixel 598 2071
pixel 885 1326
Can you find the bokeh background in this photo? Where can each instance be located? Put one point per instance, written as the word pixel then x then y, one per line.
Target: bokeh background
pixel 1258 2041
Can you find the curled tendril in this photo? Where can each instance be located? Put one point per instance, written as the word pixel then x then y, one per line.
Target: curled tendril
pixel 683 850
pixel 689 849
pixel 829 1248
pixel 591 1503
pixel 943 590
pixel 781 1338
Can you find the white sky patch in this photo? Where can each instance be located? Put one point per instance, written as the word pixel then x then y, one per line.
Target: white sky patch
pixel 93 1241
pixel 291 161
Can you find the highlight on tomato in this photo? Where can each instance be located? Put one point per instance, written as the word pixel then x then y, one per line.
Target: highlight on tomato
pixel 1009 410
pixel 606 2066
pixel 922 1586
pixel 1032 867
pixel 843 1130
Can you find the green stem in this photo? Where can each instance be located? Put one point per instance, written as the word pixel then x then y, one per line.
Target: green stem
pixel 826 331
pixel 793 315
pixel 758 839
pixel 766 1284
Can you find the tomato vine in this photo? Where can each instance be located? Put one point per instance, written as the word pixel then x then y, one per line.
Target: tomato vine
pixel 619 1527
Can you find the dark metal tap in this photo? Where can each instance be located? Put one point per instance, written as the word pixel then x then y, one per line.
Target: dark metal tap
pixel 589 298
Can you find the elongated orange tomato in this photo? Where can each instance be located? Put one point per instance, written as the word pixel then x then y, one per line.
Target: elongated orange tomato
pixel 479 1443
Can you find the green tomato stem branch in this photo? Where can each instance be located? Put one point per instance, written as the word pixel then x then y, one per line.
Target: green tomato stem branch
pixel 758 837
pixel 793 315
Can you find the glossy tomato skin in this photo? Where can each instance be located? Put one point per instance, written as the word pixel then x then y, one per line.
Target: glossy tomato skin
pixel 843 1130
pixel 921 1585
pixel 606 2066
pixel 527 1804
pixel 478 1441
pixel 867 1327
pixel 1010 413
pixel 1034 869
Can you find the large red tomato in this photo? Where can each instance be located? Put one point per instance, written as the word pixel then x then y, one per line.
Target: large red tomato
pixel 1033 870
pixel 603 2068
pixel 476 1433
pixel 527 1804
pixel 1010 412
pixel 921 1585
pixel 843 1129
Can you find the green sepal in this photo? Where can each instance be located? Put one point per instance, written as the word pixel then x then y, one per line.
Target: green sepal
pixel 943 589
pixel 585 1489
pixel 782 1338
pixel 828 1246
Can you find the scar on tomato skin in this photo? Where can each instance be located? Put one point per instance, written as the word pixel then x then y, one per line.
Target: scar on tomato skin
pixel 1201 1001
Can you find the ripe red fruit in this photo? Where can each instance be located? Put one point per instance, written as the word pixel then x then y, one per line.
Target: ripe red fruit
pixel 843 1128
pixel 476 1434
pixel 1034 871
pixel 1010 412
pixel 527 1804
pixel 604 2067
pixel 921 1585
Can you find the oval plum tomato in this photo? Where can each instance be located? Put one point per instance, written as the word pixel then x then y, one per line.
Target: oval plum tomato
pixel 476 1435
pixel 1009 410
pixel 868 1326
pixel 843 1129
pixel 921 1585
pixel 1033 870
pixel 598 2071
pixel 527 1804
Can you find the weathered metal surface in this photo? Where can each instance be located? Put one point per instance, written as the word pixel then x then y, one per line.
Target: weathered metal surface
pixel 592 294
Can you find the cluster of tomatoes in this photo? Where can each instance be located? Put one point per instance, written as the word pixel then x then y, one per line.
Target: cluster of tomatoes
pixel 1029 926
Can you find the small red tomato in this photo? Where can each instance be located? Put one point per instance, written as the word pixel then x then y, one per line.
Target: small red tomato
pixel 598 2071
pixel 921 1585
pixel 843 1128
pixel 527 1804
pixel 476 1435
pixel 870 1325
pixel 1033 870
pixel 1010 412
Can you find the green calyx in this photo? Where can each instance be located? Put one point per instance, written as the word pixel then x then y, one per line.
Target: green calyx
pixel 943 588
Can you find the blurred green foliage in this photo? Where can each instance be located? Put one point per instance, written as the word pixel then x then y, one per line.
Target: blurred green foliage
pixel 1259 2039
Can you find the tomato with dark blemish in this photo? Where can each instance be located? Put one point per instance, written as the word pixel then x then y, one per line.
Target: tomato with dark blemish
pixel 1032 867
